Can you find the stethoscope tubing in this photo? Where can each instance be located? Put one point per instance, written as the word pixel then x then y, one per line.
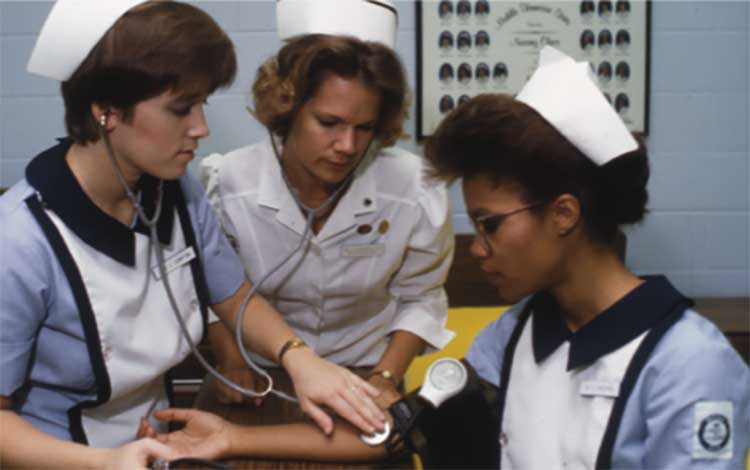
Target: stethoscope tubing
pixel 159 253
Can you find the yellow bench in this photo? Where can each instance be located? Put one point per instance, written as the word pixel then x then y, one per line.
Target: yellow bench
pixel 466 322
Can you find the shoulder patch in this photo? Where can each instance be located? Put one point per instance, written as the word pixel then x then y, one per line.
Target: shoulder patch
pixel 712 430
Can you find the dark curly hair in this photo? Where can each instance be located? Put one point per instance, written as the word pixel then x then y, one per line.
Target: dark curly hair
pixel 505 139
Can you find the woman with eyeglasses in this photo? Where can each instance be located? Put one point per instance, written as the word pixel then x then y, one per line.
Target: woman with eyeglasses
pixel 596 367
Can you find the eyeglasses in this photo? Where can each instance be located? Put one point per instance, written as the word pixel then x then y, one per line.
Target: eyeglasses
pixel 487 225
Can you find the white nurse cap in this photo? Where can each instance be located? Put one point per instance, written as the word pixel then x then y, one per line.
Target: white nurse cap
pixel 368 20
pixel 565 93
pixel 72 29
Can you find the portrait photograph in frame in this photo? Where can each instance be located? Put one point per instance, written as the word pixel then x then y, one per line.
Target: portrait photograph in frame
pixel 505 37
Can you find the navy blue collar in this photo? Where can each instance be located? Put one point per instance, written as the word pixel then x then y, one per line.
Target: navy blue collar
pixel 613 328
pixel 51 176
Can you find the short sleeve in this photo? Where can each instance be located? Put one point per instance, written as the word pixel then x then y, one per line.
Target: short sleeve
pixel 693 403
pixel 418 284
pixel 209 178
pixel 222 267
pixel 488 348
pixel 24 289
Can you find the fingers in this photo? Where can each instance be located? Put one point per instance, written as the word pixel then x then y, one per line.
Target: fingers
pixel 227 395
pixel 363 394
pixel 350 408
pixel 145 429
pixel 320 417
pixel 366 409
pixel 182 415
pixel 243 377
pixel 366 386
pixel 156 450
pixel 352 404
pixel 249 381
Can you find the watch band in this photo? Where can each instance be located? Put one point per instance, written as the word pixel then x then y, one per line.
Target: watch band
pixel 293 343
pixel 386 374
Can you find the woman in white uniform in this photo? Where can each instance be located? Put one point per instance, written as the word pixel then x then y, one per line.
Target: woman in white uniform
pixel 86 329
pixel 366 290
pixel 596 367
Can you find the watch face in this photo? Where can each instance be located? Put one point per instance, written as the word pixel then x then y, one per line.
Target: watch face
pixel 447 374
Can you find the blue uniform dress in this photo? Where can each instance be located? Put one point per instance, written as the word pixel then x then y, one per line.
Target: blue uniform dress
pixel 52 361
pixel 682 401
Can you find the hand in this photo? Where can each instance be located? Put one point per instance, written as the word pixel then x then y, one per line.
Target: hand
pixel 320 382
pixel 205 435
pixel 242 376
pixel 145 429
pixel 137 455
pixel 389 394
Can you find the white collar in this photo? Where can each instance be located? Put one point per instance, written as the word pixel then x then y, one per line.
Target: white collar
pixel 358 199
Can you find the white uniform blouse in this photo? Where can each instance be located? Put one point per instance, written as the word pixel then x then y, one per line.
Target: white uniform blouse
pixel 378 265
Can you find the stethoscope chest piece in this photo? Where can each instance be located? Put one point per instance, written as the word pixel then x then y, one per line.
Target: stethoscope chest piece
pixel 377 438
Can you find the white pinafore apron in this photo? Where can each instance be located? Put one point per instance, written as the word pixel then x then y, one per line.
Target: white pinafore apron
pixel 140 338
pixel 554 418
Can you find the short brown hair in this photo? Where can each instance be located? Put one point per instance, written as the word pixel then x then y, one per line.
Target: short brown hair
pixel 154 47
pixel 509 142
pixel 285 82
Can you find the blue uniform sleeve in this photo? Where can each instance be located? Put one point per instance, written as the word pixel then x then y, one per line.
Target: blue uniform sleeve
pixel 24 291
pixel 488 348
pixel 222 267
pixel 694 403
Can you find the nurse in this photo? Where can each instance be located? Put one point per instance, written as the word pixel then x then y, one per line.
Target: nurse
pixel 596 367
pixel 86 329
pixel 366 288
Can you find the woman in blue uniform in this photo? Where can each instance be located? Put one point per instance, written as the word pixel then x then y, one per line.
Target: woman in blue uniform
pixel 86 328
pixel 596 367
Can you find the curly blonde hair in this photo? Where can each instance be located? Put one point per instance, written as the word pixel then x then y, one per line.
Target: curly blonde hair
pixel 286 81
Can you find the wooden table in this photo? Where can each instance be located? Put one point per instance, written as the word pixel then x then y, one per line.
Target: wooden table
pixel 276 411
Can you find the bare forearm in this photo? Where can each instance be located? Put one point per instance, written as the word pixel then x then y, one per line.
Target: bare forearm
pixel 223 345
pixel 24 446
pixel 403 347
pixel 302 441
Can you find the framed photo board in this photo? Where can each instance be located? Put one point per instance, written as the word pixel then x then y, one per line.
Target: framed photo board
pixel 470 47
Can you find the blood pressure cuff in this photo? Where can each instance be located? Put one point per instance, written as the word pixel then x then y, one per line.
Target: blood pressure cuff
pixel 462 433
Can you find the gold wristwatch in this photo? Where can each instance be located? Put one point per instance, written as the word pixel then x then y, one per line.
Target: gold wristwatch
pixel 293 343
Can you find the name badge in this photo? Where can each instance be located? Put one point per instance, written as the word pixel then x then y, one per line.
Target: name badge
pixel 175 261
pixel 362 251
pixel 600 388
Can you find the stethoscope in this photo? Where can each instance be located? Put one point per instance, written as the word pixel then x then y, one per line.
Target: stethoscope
pixel 151 224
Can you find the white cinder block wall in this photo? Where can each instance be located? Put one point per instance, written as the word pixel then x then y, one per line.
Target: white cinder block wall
pixel 697 230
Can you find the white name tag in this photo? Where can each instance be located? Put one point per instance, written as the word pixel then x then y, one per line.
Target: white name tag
pixel 175 261
pixel 600 388
pixel 362 251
